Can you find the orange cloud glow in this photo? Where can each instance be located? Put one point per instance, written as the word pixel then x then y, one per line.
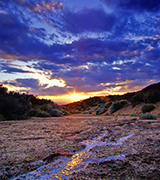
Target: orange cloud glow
pixel 50 6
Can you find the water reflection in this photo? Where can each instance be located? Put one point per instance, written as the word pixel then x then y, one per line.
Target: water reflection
pixel 75 165
pixel 64 167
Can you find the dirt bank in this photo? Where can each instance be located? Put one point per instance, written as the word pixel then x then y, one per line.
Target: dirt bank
pixel 25 144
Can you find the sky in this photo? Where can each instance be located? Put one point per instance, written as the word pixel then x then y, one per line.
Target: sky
pixel 69 50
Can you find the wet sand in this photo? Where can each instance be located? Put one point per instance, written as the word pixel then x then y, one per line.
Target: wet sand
pixel 27 145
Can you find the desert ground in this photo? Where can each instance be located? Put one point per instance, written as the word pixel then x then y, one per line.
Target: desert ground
pixel 95 147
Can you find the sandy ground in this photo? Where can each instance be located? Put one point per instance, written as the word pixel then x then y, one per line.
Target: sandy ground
pixel 24 145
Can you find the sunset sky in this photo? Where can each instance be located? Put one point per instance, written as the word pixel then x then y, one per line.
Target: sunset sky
pixel 67 50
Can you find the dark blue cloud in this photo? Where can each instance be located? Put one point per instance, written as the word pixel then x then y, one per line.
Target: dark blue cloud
pixel 55 91
pixel 94 20
pixel 38 32
pixel 15 37
pixel 46 66
pixel 137 5
pixel 153 54
pixel 11 28
pixel 28 83
pixel 19 40
pixel 10 69
pixel 95 50
pixel 32 83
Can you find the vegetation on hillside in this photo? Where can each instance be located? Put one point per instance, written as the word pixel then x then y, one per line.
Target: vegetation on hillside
pixel 147 108
pixel 15 106
pixel 99 105
pixel 147 116
pixel 115 106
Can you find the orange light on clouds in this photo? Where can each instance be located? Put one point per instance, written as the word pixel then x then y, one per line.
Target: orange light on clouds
pixel 16 88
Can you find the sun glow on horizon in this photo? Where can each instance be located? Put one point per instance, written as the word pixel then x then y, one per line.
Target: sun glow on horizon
pixel 66 99
pixel 76 96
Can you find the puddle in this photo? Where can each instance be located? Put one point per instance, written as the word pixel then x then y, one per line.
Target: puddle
pixel 64 167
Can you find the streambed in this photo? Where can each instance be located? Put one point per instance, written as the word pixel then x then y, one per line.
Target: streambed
pixel 97 147
pixel 64 167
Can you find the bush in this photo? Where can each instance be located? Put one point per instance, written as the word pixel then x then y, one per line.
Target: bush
pixel 152 96
pixel 55 112
pixel 100 109
pixel 38 113
pixel 66 113
pixel 3 90
pixel 107 114
pixel 33 113
pixel 123 102
pixel 2 118
pixel 137 98
pixel 14 108
pixel 43 107
pixel 108 104
pixel 41 114
pixel 46 107
pixel 115 106
pixel 98 112
pixel 147 108
pixel 86 112
pixel 147 116
pixel 132 114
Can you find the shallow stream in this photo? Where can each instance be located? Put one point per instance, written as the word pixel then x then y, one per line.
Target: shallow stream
pixel 64 167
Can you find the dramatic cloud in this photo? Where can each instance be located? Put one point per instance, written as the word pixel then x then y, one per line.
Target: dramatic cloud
pixel 139 5
pixel 29 83
pixel 50 48
pixel 94 20
pixel 34 6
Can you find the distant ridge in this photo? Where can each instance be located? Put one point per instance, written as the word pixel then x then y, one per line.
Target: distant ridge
pixel 152 87
pixel 150 94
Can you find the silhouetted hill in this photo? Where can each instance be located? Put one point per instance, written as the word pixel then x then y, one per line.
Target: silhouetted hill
pixel 152 87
